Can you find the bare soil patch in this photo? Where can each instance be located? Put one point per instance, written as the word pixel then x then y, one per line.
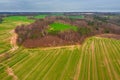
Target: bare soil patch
pixel 10 72
pixel 13 40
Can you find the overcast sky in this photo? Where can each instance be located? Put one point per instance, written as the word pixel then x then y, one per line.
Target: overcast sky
pixel 59 5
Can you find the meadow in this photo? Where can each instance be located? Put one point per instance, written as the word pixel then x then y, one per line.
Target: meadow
pixel 40 16
pixel 96 59
pixel 76 17
pixel 61 27
pixel 6 27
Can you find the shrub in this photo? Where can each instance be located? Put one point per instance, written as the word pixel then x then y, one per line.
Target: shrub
pixel 53 32
pixel 106 31
pixel 91 23
pixel 69 35
pixel 84 30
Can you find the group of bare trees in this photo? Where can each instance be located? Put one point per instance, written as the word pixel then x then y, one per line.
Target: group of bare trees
pixel 69 35
pixel 32 31
pixel 85 29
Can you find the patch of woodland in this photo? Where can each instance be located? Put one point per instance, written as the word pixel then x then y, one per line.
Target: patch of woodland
pixel 32 31
pixel 37 35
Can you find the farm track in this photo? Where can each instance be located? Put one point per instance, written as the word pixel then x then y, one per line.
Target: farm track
pixel 99 61
pixel 79 64
pixel 96 59
pixel 12 40
pixel 93 58
pixel 13 44
pixel 9 49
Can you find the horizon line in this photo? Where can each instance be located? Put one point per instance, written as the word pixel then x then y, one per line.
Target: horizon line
pixel 62 11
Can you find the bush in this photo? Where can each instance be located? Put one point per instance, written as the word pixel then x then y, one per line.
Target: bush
pixel 84 30
pixel 53 32
pixel 69 35
pixel 106 31
pixel 91 23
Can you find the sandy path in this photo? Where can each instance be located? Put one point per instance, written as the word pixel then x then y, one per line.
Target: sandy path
pixel 91 49
pixel 2 55
pixel 71 47
pixel 76 77
pixel 94 66
pixel 10 72
pixel 13 41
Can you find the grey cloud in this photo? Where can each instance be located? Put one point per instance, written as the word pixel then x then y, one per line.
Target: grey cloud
pixel 59 5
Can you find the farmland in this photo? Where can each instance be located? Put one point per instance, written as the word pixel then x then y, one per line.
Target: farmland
pixel 76 17
pixel 6 27
pixel 95 59
pixel 40 16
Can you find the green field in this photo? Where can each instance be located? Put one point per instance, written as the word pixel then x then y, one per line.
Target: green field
pixel 76 17
pixel 12 21
pixel 96 59
pixel 40 16
pixel 9 24
pixel 57 14
pixel 16 18
pixel 61 27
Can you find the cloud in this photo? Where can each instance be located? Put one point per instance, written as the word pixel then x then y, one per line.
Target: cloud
pixel 59 5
